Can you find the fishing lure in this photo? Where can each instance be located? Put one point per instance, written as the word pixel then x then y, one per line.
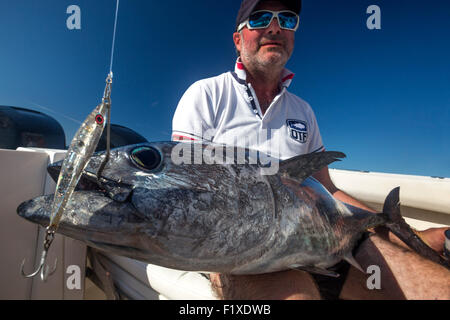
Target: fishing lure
pixel 80 151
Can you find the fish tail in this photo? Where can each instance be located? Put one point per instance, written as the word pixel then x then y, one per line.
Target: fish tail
pixel 398 226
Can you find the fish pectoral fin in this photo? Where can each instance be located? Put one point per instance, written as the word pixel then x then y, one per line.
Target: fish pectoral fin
pixel 315 270
pixel 350 259
pixel 303 166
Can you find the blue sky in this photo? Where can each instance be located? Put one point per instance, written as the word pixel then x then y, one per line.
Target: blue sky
pixel 380 96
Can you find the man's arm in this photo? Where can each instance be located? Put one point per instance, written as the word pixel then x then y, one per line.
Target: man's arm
pixel 194 117
pixel 324 178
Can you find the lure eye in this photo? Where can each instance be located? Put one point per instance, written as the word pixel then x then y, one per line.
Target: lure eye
pixel 99 119
pixel 146 157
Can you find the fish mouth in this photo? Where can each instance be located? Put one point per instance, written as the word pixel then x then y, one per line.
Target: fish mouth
pixel 94 206
pixel 89 216
pixel 114 189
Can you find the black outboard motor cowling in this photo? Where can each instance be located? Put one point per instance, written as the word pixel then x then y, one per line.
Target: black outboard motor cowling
pixel 20 127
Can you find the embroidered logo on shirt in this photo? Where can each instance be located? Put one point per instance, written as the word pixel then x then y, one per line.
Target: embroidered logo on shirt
pixel 298 130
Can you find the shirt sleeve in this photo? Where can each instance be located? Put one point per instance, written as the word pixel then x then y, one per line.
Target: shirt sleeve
pixel 194 116
pixel 315 143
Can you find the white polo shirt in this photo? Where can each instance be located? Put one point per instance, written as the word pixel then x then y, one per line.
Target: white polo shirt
pixel 225 110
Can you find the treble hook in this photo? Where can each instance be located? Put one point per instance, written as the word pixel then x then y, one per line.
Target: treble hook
pixel 49 236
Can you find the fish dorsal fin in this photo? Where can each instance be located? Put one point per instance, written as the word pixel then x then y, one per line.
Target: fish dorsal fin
pixel 301 167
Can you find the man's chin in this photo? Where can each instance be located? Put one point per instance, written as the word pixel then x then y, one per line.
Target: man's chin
pixel 275 58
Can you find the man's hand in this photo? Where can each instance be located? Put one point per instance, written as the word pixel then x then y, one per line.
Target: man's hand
pixel 434 238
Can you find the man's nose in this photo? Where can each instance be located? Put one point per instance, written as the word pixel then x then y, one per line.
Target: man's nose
pixel 274 26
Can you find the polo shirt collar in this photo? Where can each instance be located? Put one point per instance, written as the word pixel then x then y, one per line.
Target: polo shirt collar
pixel 286 75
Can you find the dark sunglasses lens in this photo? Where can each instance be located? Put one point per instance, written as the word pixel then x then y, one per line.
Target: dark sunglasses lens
pixel 288 20
pixel 259 19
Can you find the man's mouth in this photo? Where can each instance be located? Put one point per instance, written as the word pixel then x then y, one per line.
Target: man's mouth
pixel 272 44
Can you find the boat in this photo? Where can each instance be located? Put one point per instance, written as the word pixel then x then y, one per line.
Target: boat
pixel 87 274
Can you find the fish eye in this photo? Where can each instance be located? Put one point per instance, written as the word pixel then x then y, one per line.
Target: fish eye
pixel 146 157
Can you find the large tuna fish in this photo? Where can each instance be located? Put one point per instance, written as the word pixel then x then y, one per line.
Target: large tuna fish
pixel 168 204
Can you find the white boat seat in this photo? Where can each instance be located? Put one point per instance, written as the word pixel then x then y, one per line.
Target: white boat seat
pixel 148 280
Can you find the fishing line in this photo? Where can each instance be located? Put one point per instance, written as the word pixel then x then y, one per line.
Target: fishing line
pixel 54 112
pixel 107 95
pixel 114 36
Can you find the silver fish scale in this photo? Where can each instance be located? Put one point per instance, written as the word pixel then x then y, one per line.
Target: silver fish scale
pixel 303 236
pixel 225 220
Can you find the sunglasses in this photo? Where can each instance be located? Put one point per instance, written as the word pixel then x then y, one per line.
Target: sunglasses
pixel 261 19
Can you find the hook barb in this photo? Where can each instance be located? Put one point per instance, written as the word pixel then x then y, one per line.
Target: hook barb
pixel 43 269
pixel 31 275
pixel 45 273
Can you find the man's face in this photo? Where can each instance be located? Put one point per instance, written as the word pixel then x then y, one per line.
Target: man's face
pixel 265 48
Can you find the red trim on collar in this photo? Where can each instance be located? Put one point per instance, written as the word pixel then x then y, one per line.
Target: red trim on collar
pixel 240 65
pixel 177 137
pixel 288 77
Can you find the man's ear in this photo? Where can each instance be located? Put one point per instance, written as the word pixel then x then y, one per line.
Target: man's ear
pixel 237 40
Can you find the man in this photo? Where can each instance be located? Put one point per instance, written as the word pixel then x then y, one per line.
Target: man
pixel 252 108
pixel 243 107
